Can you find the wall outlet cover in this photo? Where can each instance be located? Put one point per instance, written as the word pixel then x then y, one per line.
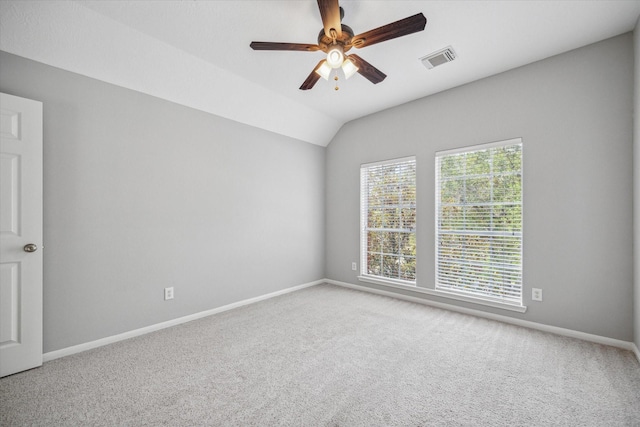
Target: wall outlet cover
pixel 536 294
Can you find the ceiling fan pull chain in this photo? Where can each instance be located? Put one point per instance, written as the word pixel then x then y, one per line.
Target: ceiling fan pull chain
pixel 336 80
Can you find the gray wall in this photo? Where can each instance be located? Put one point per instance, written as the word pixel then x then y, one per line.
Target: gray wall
pixel 636 187
pixel 574 113
pixel 141 194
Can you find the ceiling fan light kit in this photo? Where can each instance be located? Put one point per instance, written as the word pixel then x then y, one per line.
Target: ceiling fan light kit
pixel 335 56
pixel 349 68
pixel 324 70
pixel 335 39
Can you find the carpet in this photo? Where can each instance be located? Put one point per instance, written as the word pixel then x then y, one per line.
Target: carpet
pixel 330 356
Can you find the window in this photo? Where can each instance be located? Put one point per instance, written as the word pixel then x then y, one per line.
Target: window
pixel 388 220
pixel 479 221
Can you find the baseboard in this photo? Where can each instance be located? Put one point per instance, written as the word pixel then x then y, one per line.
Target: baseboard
pixel 636 351
pixel 524 323
pixel 52 355
pixel 518 322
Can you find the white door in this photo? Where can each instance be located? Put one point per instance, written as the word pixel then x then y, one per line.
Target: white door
pixel 20 234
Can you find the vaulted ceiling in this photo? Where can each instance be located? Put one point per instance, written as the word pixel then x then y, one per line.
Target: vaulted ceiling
pixel 196 53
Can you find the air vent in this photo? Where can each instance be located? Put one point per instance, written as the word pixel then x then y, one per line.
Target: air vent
pixel 438 58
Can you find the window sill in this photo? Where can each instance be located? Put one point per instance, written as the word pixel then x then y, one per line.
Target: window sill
pixel 399 284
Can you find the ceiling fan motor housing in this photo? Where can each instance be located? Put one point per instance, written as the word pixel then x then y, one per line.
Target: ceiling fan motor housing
pixel 325 42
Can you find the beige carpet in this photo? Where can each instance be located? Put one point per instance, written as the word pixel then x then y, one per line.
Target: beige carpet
pixel 328 356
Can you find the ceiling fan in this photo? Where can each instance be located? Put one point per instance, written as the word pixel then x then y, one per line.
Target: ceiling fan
pixel 335 39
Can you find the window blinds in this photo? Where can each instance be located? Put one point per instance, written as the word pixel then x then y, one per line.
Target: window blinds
pixel 388 219
pixel 479 221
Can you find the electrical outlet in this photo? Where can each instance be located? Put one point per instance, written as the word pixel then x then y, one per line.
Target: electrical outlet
pixel 168 293
pixel 536 294
pixel 354 266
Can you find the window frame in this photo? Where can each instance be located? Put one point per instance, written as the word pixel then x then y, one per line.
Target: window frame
pixel 364 210
pixel 469 296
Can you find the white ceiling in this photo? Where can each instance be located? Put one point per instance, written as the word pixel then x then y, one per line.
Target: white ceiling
pixel 196 53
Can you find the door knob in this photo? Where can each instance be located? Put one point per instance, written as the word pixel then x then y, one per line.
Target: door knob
pixel 31 247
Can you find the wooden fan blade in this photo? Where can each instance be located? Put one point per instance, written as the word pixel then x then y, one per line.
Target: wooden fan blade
pixel 370 72
pixel 400 28
pixel 312 79
pixel 330 13
pixel 284 46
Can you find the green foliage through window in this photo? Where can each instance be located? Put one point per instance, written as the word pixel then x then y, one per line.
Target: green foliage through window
pixel 479 221
pixel 388 219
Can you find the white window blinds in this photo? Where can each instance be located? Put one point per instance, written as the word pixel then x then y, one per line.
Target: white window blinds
pixel 388 219
pixel 479 221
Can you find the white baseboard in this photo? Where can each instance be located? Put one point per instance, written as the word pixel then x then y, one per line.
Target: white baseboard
pixel 518 322
pixel 636 351
pixel 524 323
pixel 137 332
